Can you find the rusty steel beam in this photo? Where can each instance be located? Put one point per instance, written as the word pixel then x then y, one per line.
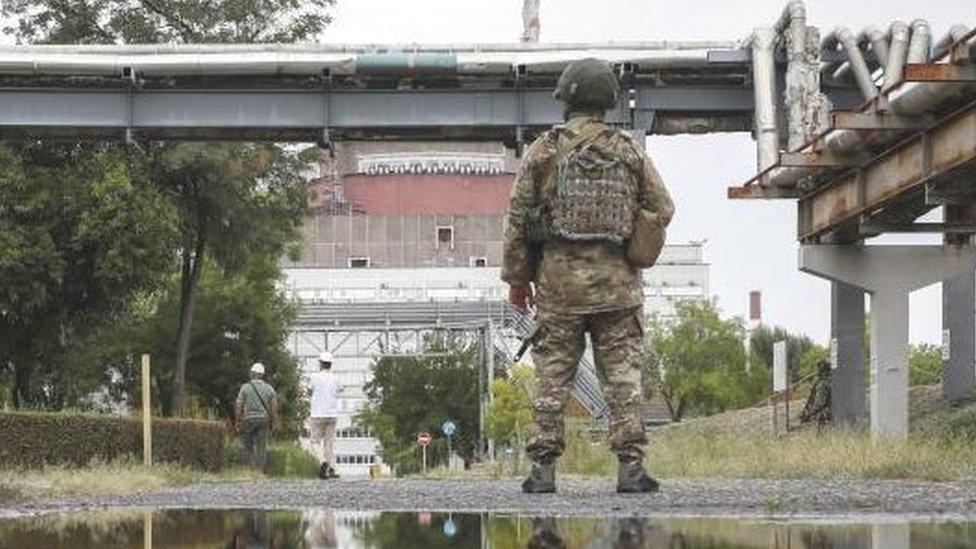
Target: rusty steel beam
pixel 820 159
pixel 762 192
pixel 877 120
pixel 939 72
pixel 870 228
pixel 933 157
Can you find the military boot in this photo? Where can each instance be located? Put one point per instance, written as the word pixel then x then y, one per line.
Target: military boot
pixel 542 479
pixel 633 479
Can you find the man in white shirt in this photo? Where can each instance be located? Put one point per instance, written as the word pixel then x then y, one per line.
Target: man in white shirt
pixel 324 387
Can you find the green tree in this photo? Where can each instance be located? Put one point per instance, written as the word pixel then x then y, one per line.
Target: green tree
pixel 217 187
pixel 802 353
pixel 83 238
pixel 237 202
pixel 697 361
pixel 407 395
pixel 510 413
pixel 924 364
pixel 242 319
pixel 166 21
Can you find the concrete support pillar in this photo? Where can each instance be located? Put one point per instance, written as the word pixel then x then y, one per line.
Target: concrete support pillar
pixel 959 336
pixel 847 384
pixel 889 362
pixel 959 317
pixel 889 274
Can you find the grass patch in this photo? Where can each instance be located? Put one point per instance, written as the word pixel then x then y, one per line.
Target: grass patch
pixel 290 460
pixel 741 444
pixel 9 494
pixel 285 459
pixel 693 453
pixel 105 478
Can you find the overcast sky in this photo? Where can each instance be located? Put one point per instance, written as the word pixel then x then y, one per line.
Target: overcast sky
pixel 750 245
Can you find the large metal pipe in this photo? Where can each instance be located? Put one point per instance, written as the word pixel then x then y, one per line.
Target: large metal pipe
pixel 897 55
pixel 956 32
pixel 873 43
pixel 912 99
pixel 295 63
pixel 879 44
pixel 862 75
pixel 763 44
pixel 921 42
pixel 308 48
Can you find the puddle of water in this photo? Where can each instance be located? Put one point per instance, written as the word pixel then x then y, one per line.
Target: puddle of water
pixel 320 528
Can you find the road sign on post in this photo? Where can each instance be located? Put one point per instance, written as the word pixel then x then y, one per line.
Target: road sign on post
pixel 423 439
pixel 779 366
pixel 449 428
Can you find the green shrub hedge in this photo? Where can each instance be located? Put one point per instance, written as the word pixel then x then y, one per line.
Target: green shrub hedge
pixel 33 439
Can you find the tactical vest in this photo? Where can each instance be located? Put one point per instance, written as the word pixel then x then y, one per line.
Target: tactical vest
pixel 595 195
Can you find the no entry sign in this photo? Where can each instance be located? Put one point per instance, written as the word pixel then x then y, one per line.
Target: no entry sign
pixel 423 438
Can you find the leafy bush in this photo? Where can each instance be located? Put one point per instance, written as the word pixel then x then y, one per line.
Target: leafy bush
pixel 289 459
pixel 34 439
pixel 285 459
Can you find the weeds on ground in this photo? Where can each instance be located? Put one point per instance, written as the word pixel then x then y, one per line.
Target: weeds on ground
pixel 290 460
pixel 285 459
pixel 939 449
pixel 99 478
pixel 9 494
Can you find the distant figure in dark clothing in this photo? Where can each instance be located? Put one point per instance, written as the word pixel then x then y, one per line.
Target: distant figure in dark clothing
pixel 817 408
pixel 256 413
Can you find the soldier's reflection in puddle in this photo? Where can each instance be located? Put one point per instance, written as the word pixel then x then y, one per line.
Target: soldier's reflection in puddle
pixel 631 533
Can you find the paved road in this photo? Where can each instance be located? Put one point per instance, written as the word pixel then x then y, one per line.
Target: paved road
pixel 781 498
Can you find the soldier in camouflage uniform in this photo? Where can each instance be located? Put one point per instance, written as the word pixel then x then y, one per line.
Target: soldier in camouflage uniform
pixel 569 258
pixel 817 408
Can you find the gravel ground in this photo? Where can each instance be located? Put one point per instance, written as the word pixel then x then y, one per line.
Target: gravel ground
pixel 595 497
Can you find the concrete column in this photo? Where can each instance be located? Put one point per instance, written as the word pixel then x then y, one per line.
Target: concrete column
pixel 959 336
pixel 889 274
pixel 889 363
pixel 847 384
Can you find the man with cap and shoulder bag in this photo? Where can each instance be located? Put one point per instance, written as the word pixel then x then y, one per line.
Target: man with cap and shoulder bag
pixel 256 412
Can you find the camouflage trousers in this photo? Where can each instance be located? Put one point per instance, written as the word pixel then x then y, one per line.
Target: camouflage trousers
pixel 618 347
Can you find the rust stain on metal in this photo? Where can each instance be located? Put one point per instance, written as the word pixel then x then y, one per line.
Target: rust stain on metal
pixel 938 72
pixel 951 144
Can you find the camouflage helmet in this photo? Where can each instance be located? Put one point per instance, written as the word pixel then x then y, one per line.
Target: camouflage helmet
pixel 588 82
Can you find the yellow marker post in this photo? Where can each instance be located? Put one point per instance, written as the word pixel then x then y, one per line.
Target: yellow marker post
pixel 147 529
pixel 146 413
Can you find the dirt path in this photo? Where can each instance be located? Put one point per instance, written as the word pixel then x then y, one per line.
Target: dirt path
pixel 779 498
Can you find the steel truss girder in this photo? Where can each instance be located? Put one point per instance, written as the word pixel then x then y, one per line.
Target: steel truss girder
pixel 384 341
pixel 944 154
pixel 308 114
